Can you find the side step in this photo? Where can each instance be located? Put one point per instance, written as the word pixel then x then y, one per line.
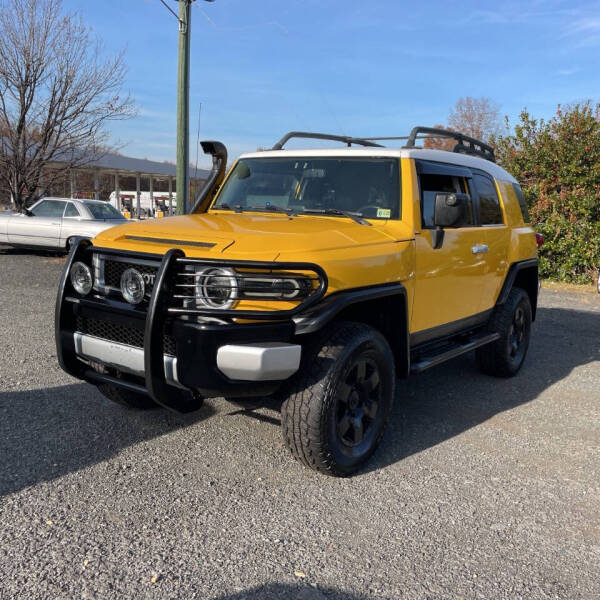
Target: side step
pixel 451 350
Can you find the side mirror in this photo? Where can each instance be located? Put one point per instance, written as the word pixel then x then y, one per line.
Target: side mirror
pixel 27 212
pixel 450 209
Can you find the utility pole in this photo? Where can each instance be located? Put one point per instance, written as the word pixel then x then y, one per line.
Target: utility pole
pixel 183 102
pixel 183 107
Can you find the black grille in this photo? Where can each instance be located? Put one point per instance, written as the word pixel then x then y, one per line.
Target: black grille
pixel 115 332
pixel 113 269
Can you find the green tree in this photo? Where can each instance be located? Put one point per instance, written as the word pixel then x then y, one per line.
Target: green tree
pixel 557 163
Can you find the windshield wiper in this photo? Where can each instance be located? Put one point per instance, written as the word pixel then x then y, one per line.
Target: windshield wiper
pixel 237 208
pixel 355 216
pixel 274 208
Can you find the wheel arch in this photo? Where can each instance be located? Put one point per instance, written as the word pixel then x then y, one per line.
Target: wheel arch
pixel 384 308
pixel 524 275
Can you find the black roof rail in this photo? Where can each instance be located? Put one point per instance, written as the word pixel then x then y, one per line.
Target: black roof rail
pixel 465 144
pixel 324 136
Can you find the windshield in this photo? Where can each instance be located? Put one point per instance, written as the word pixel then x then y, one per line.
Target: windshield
pixel 368 187
pixel 103 210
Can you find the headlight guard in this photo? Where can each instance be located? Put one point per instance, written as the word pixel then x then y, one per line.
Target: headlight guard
pixel 216 288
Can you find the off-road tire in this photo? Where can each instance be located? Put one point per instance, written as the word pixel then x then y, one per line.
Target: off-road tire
pixel 314 414
pixel 505 356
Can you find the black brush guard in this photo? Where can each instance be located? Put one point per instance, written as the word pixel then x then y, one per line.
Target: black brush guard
pixel 154 383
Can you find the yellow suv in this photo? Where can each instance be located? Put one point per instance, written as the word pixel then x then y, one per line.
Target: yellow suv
pixel 319 276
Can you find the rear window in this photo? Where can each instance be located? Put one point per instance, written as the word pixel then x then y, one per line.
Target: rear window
pixel 522 202
pixel 104 210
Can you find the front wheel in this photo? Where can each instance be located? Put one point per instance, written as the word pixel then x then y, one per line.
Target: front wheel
pixel 334 419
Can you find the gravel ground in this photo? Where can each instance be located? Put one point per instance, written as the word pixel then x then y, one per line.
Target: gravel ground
pixel 482 488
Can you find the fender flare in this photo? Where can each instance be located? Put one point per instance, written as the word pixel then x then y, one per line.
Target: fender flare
pixel 511 276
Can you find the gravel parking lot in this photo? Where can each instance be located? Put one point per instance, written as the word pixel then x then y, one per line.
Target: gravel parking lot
pixel 483 488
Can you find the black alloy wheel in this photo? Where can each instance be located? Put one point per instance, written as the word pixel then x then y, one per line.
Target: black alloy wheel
pixel 335 415
pixel 357 406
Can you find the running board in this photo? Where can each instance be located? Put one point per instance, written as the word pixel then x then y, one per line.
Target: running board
pixel 425 362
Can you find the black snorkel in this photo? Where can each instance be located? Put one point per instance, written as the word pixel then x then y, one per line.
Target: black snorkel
pixel 217 174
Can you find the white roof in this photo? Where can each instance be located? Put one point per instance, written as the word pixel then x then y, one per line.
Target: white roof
pixel 443 156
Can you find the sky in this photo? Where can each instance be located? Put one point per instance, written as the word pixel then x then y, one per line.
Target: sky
pixel 260 68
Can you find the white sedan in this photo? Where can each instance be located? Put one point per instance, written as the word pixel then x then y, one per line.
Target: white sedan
pixel 52 223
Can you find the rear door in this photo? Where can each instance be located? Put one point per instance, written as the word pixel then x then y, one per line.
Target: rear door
pixel 42 229
pixel 447 279
pixel 494 236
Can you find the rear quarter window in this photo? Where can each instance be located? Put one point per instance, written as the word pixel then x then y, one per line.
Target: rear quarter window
pixel 522 202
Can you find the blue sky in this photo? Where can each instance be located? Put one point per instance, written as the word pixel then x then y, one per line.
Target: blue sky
pixel 370 67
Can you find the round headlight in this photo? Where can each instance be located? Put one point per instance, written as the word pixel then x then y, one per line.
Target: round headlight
pixel 216 288
pixel 133 287
pixel 81 278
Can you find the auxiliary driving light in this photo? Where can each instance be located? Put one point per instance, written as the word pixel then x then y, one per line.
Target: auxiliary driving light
pixel 81 278
pixel 133 287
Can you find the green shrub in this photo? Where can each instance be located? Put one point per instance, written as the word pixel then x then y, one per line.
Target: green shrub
pixel 557 163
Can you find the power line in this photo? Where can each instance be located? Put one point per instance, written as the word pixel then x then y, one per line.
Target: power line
pixel 170 9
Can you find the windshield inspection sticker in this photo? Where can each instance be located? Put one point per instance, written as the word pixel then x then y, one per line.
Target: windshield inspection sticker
pixel 384 213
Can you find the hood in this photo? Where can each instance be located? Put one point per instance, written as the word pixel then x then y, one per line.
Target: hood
pixel 243 235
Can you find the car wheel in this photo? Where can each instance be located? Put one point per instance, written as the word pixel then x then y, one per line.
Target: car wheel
pixel 512 320
pixel 334 419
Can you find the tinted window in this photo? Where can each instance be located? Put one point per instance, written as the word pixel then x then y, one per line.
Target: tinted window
pixel 71 210
pixel 103 210
pixel 489 204
pixel 50 208
pixel 522 202
pixel 434 184
pixel 366 185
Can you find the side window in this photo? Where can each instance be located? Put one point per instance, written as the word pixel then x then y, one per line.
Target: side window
pixel 489 204
pixel 71 210
pixel 432 184
pixel 522 202
pixel 50 208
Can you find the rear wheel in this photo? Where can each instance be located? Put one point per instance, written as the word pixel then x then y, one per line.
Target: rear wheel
pixel 512 320
pixel 334 419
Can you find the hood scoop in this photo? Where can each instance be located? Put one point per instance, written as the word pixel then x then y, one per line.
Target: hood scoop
pixel 170 242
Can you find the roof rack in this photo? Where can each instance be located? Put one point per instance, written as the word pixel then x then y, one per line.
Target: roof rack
pixel 324 136
pixel 465 145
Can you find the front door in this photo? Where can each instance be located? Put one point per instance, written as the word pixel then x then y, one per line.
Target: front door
pixel 448 278
pixel 42 229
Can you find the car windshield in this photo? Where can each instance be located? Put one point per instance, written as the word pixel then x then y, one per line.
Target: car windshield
pixel 103 210
pixel 368 187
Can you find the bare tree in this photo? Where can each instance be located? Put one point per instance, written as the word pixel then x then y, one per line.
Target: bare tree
pixel 477 117
pixel 439 143
pixel 57 93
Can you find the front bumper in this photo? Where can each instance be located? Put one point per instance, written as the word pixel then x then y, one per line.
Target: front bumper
pixel 204 359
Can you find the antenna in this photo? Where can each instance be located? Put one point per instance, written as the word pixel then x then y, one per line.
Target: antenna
pixel 197 146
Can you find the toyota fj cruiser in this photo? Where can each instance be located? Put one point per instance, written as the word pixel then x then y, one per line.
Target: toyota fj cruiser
pixel 320 276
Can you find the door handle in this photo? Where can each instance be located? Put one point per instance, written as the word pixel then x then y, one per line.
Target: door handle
pixel 54 223
pixel 479 249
